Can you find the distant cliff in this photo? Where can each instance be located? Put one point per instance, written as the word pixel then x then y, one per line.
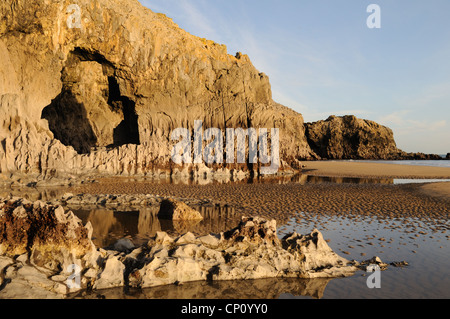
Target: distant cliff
pixel 348 137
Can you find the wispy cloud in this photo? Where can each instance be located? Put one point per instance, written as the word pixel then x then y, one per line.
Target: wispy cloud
pixel 197 18
pixel 430 96
pixel 418 135
pixel 405 121
pixel 397 118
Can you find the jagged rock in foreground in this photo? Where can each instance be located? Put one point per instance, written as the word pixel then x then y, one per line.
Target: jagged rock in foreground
pixel 103 99
pixel 47 234
pixel 348 137
pixel 38 245
pixel 39 265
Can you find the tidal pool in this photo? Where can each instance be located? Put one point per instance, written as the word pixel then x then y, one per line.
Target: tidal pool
pixel 422 242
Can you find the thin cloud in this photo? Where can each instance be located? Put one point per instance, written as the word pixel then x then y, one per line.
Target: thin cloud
pixel 404 122
pixel 397 118
pixel 197 19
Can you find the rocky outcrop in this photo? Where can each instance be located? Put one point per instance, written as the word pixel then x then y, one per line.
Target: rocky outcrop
pixel 348 137
pixel 103 97
pixel 40 246
pixel 178 211
pixel 43 262
pixel 46 233
pixel 419 157
pixel 448 156
pixel 250 251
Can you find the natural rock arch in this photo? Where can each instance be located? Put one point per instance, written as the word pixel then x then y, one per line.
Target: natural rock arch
pixel 90 110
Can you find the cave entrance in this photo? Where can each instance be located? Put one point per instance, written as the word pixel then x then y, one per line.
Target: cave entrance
pixel 90 111
pixel 67 119
pixel 127 132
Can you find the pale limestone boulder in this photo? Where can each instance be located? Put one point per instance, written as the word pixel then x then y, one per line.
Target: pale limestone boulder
pixel 250 251
pixel 49 242
pixel 23 281
pixel 312 251
pixel 178 211
pixel 111 275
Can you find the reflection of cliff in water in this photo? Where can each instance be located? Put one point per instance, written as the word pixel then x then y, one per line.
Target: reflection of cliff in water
pixel 345 180
pixel 32 193
pixel 264 289
pixel 139 226
pixel 301 179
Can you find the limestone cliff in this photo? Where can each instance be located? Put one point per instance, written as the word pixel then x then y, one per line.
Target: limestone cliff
pixel 97 89
pixel 348 137
pixel 351 138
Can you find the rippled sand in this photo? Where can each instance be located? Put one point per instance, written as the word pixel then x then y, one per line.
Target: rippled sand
pixel 280 201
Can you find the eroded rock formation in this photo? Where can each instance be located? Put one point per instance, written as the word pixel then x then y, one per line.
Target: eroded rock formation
pixel 41 231
pixel 348 137
pixel 178 211
pixel 104 98
pixel 40 261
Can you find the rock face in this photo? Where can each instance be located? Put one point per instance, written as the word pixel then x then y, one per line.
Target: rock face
pixel 104 97
pixel 37 262
pixel 348 137
pixel 46 233
pixel 251 251
pixel 39 244
pixel 351 138
pixel 448 156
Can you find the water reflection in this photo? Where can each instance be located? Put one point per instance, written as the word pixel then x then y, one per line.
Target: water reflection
pixel 301 179
pixel 242 289
pixel 141 225
pixel 34 194
pixel 305 179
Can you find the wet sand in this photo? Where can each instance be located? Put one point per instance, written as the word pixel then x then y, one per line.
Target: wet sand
pixel 441 190
pixel 280 201
pixel 375 170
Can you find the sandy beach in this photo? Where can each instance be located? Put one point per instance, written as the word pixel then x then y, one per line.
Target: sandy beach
pixel 375 170
pixel 437 190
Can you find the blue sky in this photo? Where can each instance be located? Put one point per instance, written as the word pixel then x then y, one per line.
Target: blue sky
pixel 323 60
